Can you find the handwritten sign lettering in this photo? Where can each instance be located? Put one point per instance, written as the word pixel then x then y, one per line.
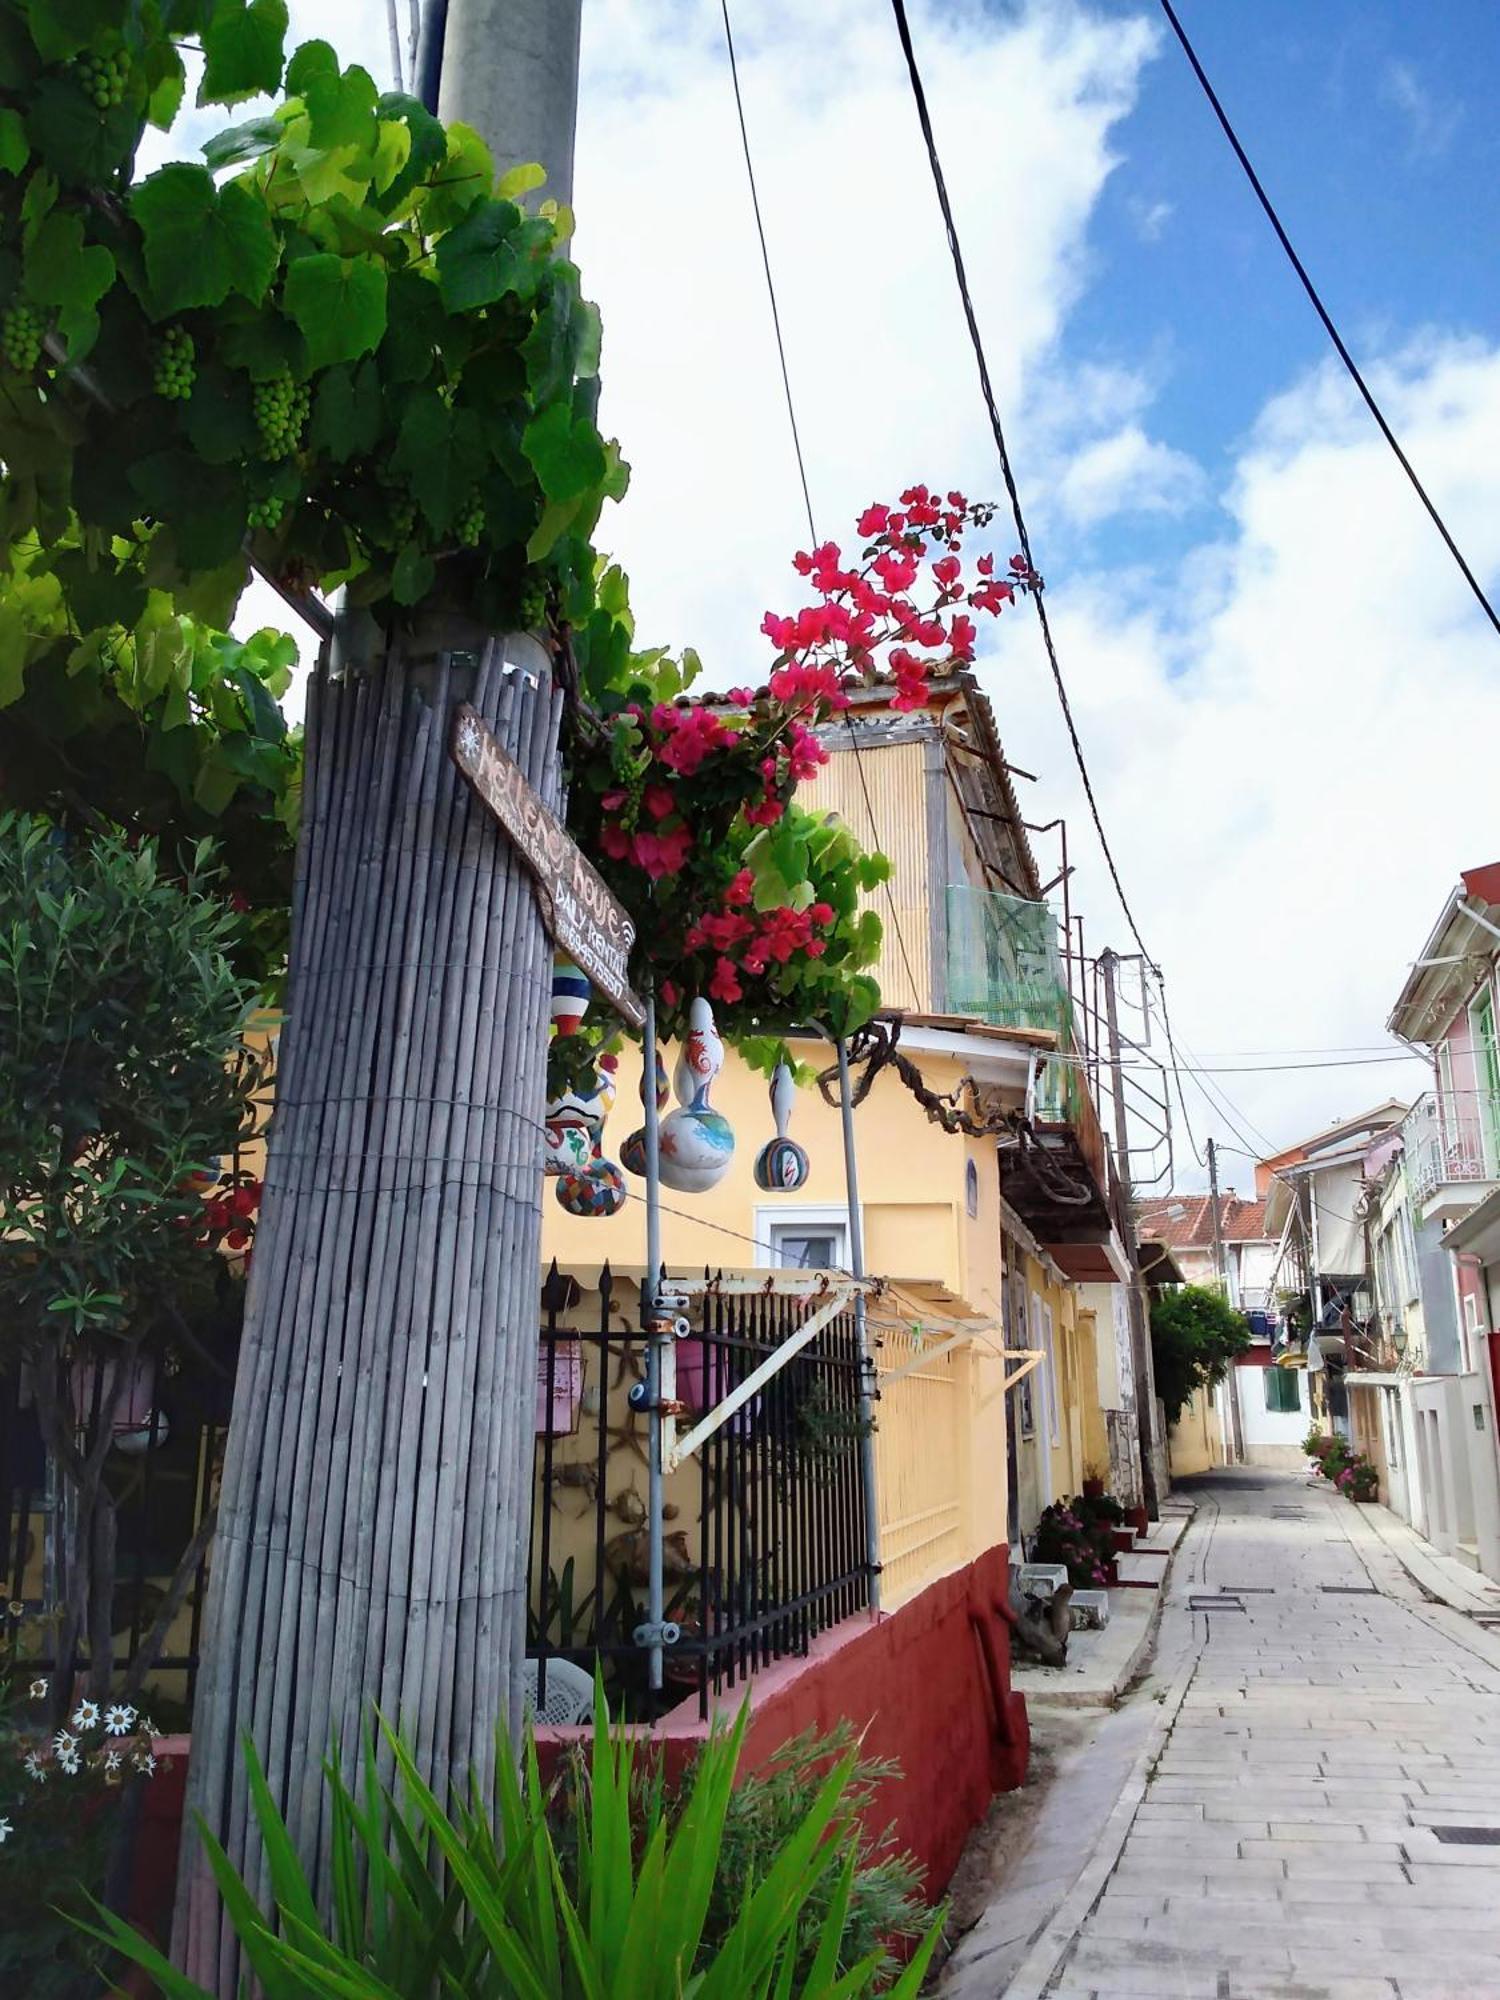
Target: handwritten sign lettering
pixel 582 917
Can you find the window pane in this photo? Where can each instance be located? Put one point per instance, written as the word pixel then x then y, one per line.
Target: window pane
pixel 1283 1390
pixel 807 1249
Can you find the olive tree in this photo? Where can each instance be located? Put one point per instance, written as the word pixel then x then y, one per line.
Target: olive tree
pixel 122 1080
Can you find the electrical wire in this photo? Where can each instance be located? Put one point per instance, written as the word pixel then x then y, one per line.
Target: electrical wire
pixel 765 258
pixel 1323 314
pixel 1006 472
pixel 791 411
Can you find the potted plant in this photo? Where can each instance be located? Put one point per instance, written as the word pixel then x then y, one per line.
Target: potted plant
pixel 1084 1547
pixel 1358 1480
pixel 1104 1511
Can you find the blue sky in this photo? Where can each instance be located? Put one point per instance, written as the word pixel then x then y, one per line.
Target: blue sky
pixel 1372 128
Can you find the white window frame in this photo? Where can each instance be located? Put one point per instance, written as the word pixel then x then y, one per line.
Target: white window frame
pixel 807 1216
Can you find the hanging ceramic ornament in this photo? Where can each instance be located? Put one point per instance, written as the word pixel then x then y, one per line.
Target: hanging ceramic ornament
pixel 587 1183
pixel 574 1122
pixel 570 995
pixel 633 1152
pixel 697 1142
pixel 781 1165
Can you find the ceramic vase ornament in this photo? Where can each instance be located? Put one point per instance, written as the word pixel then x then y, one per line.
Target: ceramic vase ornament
pixel 571 993
pixel 781 1165
pixel 587 1183
pixel 633 1152
pixel 697 1142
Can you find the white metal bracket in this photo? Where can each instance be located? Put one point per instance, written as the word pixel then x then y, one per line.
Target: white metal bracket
pixel 837 1295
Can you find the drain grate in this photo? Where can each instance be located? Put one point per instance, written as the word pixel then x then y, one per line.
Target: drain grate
pixel 1224 1603
pixel 1468 1836
pixel 1249 1589
pixel 1289 1513
pixel 1349 1589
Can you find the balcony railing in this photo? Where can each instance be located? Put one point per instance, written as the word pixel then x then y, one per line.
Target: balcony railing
pixel 1003 962
pixel 1445 1141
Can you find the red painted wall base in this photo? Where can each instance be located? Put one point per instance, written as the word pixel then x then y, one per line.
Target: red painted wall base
pixel 930 1685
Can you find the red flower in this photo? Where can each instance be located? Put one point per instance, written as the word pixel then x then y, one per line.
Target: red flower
pixel 741 889
pixel 896 572
pixel 658 801
pixel 615 841
pixel 612 801
pixel 669 992
pixel 948 571
pixel 725 985
pixel 985 565
pixel 744 697
pixel 815 947
pixel 962 638
pixel 821 913
pixel 766 813
pixel 663 853
pixel 782 632
pixel 873 521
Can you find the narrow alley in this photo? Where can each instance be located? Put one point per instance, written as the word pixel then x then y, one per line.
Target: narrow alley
pixel 1315 1812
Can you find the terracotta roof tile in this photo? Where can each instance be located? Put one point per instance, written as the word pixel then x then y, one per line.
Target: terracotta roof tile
pixel 1239 1221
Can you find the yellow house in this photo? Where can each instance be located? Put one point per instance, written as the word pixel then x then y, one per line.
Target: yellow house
pixel 1001 1232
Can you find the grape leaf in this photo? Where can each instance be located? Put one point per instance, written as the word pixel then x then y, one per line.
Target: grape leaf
pixel 61 271
pixel 242 142
pixel 480 260
pixel 202 242
pixel 346 412
pixel 465 177
pixel 341 109
pixel 242 46
pixel 339 303
pixel 440 455
pixel 310 60
pixel 62 27
pixel 412 577
pixel 566 452
pixel 204 505
pixel 429 145
pixel 14 151
pixel 165 81
pixel 80 143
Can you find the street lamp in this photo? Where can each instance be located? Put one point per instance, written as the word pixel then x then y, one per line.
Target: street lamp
pixel 1398 1340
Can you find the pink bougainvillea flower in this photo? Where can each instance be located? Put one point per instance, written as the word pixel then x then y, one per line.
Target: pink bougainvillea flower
pixel 658 801
pixel 821 913
pixel 612 801
pixel 615 841
pixel 985 565
pixel 948 571
pixel 741 889
pixel 725 985
pixel 766 813
pixel 896 571
pixel 961 638
pixel 782 632
pixel 669 992
pixel 744 697
pixel 873 521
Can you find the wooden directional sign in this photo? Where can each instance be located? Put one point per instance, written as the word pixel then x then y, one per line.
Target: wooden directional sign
pixel 582 917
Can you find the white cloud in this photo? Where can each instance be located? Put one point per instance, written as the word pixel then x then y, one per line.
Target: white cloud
pixel 1128 473
pixel 1150 218
pixel 1293 740
pixel 1430 122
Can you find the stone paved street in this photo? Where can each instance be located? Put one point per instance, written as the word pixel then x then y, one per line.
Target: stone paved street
pixel 1281 1844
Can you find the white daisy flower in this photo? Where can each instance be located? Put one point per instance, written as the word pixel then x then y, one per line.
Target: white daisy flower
pixel 86 1715
pixel 147 1726
pixel 119 1720
pixel 36 1769
pixel 68 1765
pixel 38 1690
pixel 111 1761
pixel 64 1744
pixel 6 1830
pixel 145 1762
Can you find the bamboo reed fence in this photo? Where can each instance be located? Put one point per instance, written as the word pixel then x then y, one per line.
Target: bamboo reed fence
pixel 372 1536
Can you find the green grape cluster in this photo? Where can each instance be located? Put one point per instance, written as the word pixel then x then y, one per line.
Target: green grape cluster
pixel 533 606
pixel 470 524
pixel 174 365
pixel 281 409
pixel 403 519
pixel 267 513
pixel 21 337
pixel 103 78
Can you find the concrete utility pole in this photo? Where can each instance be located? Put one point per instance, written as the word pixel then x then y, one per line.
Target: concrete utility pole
pixel 1140 1340
pixel 1221 1272
pixel 376 1494
pixel 509 68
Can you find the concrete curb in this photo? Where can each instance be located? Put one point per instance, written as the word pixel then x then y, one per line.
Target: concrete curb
pixel 1040 1964
pixel 1060 1695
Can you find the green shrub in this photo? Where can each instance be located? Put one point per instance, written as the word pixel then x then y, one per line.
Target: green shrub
pixel 629 1918
pixel 1086 1547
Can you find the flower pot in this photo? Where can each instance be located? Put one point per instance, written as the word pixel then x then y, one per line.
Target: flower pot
pixel 1138 1519
pixel 1093 1489
pixel 1124 1540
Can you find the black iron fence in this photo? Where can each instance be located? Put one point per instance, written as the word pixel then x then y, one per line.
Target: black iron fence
pixel 162 1474
pixel 765 1524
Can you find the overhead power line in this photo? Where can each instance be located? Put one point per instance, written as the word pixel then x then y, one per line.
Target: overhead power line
pixel 997 428
pixel 791 412
pixel 1323 314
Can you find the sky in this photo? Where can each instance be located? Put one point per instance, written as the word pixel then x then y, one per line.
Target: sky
pixel 1289 703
